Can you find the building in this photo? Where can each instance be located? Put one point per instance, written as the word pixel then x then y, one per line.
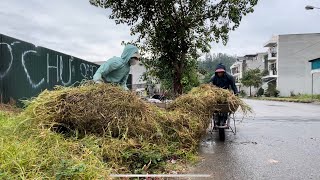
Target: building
pixel 137 72
pixel 288 65
pixel 250 61
pixel 315 71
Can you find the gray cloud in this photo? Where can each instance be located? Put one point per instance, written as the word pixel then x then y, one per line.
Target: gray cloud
pixel 73 27
pixel 77 28
pixel 271 17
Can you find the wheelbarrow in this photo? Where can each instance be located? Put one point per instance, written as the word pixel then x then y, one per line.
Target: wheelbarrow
pixel 221 119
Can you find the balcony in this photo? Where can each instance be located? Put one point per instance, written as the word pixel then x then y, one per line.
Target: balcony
pixel 272 42
pixel 235 72
pixel 272 54
pixel 237 81
pixel 271 73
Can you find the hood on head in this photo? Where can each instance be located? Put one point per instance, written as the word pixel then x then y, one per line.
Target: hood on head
pixel 129 52
pixel 220 68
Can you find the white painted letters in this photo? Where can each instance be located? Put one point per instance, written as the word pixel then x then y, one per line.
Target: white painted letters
pixel 3 74
pixel 70 71
pixel 34 85
pixel 64 69
pixel 87 70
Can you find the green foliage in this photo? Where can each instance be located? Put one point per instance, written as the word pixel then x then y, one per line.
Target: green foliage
pixel 211 61
pixel 68 170
pixel 189 79
pixel 30 152
pixel 260 92
pixel 292 94
pixel 308 96
pixel 172 32
pixel 265 72
pixel 243 93
pixel 149 155
pixel 272 90
pixel 252 78
pixel 208 65
pixel 287 99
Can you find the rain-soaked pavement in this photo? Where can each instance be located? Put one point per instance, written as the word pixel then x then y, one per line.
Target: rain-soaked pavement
pixel 279 141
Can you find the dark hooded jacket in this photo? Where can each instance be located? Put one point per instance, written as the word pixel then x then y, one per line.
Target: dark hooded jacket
pixel 225 82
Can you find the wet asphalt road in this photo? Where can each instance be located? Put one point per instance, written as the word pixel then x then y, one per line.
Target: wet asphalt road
pixel 279 141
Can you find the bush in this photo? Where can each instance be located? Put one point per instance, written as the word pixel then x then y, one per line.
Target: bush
pixel 292 94
pixel 272 90
pixel 265 72
pixel 260 92
pixel 243 93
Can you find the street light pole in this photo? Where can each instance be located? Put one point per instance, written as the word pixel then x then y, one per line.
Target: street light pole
pixel 308 7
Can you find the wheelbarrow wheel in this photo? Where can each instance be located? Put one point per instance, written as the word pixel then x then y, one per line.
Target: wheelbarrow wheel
pixel 222 134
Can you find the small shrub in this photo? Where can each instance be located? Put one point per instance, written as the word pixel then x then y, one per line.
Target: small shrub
pixel 265 72
pixel 243 93
pixel 260 92
pixel 272 91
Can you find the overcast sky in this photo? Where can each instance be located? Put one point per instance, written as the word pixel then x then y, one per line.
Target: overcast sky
pixel 77 28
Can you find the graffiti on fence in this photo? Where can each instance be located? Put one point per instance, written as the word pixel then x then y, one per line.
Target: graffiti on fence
pixel 63 66
pixel 26 70
pixel 9 48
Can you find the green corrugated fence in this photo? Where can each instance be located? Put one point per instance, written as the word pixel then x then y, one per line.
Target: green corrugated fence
pixel 26 70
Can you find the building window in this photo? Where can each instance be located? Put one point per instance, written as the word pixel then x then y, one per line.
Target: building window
pixel 235 70
pixel 273 69
pixel 273 51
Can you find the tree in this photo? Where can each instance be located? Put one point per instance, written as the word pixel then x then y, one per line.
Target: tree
pixel 272 90
pixel 175 32
pixel 211 61
pixel 252 77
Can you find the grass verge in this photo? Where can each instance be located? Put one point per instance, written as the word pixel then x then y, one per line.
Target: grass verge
pixel 296 99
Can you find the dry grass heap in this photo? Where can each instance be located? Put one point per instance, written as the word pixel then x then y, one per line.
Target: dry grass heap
pixel 134 136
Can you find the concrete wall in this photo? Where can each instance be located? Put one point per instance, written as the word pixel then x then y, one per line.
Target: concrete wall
pixel 247 90
pixel 137 72
pixel 294 51
pixel 257 62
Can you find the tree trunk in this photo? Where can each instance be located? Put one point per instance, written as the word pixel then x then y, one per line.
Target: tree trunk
pixel 177 85
pixel 178 70
pixel 250 91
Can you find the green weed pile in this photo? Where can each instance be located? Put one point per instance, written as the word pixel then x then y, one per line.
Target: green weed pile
pixel 93 130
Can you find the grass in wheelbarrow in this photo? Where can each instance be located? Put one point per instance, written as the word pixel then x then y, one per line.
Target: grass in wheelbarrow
pixel 122 132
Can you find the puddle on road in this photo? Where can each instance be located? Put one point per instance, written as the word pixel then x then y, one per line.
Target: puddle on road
pixel 208 146
pixel 211 144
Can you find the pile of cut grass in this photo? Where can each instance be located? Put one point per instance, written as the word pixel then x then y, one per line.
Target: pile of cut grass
pixel 27 152
pixel 90 131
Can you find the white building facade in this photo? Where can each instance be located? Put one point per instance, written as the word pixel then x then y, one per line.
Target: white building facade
pixel 251 61
pixel 288 64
